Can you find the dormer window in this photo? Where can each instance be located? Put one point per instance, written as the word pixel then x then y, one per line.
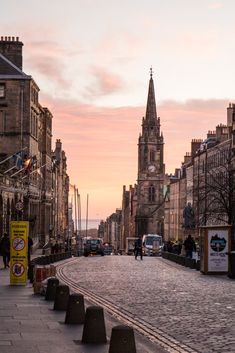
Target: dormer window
pixel 2 90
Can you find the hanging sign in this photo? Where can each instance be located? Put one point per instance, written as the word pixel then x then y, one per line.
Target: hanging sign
pixel 19 231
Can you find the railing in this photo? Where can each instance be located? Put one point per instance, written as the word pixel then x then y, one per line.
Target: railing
pixel 46 260
pixel 181 260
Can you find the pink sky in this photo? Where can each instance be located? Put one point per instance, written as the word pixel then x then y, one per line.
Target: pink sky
pixel 101 143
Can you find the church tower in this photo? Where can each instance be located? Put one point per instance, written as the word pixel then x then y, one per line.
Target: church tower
pixel 151 171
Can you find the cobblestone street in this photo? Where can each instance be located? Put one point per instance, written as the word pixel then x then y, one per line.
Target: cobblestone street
pixel 195 309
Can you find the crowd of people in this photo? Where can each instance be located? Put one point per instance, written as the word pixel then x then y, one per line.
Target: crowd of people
pixel 186 248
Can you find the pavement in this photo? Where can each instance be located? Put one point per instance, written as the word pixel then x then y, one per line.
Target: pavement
pixel 29 324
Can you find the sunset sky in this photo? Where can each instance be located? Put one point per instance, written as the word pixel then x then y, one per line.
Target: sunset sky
pixel 91 60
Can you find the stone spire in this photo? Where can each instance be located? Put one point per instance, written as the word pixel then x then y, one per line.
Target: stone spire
pixel 151 110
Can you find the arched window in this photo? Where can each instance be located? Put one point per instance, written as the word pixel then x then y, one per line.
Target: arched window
pixel 151 193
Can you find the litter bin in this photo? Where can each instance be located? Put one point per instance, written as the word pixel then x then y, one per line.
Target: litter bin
pixel 231 264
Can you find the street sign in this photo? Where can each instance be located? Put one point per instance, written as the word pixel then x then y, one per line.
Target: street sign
pixel 19 206
pixel 19 231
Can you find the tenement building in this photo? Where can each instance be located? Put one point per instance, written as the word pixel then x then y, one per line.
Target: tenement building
pixel 214 177
pixel 206 182
pixel 26 173
pixel 151 171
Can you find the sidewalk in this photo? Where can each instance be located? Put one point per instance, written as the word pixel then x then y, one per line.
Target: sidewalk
pixel 30 325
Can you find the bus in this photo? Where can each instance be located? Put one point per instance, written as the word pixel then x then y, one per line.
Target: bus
pixel 152 245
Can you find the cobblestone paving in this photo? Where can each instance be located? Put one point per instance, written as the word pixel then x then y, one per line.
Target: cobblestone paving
pixel 195 309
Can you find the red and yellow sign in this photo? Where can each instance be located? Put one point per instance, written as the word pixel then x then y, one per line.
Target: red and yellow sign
pixel 19 231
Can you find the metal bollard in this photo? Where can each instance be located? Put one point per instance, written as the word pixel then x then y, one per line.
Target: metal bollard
pixel 75 313
pixel 61 297
pixel 94 327
pixel 122 340
pixel 52 284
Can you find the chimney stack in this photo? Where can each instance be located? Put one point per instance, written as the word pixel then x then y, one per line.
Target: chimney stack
pixel 195 145
pixel 11 48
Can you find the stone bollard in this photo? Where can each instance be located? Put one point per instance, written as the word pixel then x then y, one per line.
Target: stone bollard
pixel 75 313
pixel 61 297
pixel 52 284
pixel 94 326
pixel 122 340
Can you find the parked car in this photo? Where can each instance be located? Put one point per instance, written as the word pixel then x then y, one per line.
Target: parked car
pixel 93 247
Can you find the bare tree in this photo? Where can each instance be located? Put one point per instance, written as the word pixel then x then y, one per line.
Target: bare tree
pixel 214 186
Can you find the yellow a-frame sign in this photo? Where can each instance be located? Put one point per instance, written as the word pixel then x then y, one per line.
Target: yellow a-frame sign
pixel 19 231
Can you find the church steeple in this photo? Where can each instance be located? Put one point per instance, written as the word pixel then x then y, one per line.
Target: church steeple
pixel 151 110
pixel 151 170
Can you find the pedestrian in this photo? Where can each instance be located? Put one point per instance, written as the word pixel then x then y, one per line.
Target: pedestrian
pixel 30 244
pixel 56 247
pixel 5 249
pixel 138 248
pixel 52 244
pixel 190 246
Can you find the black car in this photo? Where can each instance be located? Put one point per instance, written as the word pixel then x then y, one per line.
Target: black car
pixel 93 247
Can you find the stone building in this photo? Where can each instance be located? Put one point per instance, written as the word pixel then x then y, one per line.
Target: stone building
pixel 214 177
pixel 112 230
pixel 129 203
pixel 25 148
pixel 206 180
pixel 60 192
pixel 151 171
pixel 179 194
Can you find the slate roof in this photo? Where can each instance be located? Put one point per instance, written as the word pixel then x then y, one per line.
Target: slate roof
pixel 10 71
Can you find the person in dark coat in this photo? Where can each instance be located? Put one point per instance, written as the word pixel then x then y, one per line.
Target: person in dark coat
pixel 5 249
pixel 190 246
pixel 138 248
pixel 30 244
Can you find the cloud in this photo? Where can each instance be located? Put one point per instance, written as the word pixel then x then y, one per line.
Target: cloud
pixel 49 67
pixel 184 121
pixel 215 6
pixel 103 83
pixel 49 59
pixel 101 142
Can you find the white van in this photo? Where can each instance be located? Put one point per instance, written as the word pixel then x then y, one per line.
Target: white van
pixel 152 244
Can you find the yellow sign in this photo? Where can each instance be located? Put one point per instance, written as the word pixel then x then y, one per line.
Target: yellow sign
pixel 19 231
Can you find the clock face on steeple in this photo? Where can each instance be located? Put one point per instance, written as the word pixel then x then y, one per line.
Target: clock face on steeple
pixel 151 168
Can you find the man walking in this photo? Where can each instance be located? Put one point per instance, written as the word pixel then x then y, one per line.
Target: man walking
pixel 138 248
pixel 190 246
